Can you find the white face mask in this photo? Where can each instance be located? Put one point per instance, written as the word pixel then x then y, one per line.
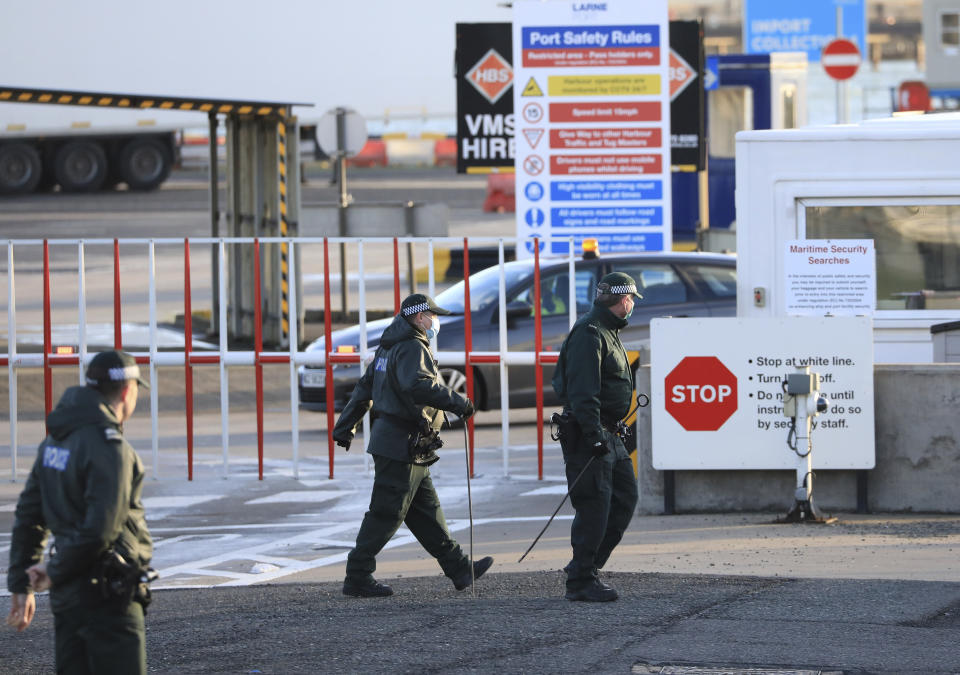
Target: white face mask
pixel 434 328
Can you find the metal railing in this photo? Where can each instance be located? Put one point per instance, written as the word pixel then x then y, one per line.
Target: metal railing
pixel 224 357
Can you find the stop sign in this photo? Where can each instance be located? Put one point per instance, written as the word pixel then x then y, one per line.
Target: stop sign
pixel 841 59
pixel 701 394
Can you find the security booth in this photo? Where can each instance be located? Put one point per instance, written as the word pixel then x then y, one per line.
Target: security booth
pixel 263 191
pixel 891 185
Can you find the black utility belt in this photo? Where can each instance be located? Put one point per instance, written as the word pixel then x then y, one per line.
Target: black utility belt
pixel 422 439
pixel 119 579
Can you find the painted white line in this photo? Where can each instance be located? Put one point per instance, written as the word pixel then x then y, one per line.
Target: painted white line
pixel 173 502
pixel 8 508
pixel 302 497
pixel 548 490
pixel 252 552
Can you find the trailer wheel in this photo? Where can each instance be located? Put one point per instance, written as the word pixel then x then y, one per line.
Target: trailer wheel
pixel 20 169
pixel 144 164
pixel 80 166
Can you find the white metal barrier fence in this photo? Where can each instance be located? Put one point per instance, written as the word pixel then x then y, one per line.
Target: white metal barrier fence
pixel 225 357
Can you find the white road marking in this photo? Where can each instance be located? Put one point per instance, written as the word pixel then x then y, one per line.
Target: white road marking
pixel 288 566
pixel 547 490
pixel 176 502
pixel 301 497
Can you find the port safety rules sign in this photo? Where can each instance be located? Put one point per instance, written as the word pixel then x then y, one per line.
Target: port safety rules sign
pixel 592 124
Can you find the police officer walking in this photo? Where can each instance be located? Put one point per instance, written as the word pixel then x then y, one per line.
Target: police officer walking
pixel 594 383
pixel 85 487
pixel 408 398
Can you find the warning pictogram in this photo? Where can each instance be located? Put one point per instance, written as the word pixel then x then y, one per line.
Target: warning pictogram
pixel 533 136
pixel 532 89
pixel 491 76
pixel 533 113
pixel 533 165
pixel 682 74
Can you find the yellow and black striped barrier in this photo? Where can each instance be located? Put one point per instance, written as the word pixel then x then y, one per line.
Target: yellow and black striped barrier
pixel 143 101
pixel 284 248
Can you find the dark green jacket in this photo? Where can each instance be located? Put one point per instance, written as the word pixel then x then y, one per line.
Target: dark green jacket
pixel 593 377
pixel 84 487
pixel 403 386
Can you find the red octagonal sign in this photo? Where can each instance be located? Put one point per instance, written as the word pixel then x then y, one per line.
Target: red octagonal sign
pixel 701 393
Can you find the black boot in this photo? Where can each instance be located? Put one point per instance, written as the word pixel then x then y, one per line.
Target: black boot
pixel 479 567
pixel 371 588
pixel 594 591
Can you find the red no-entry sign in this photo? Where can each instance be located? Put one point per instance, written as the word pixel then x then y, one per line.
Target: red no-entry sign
pixel 701 393
pixel 841 59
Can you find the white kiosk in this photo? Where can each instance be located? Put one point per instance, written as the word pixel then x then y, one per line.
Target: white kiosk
pixel 894 181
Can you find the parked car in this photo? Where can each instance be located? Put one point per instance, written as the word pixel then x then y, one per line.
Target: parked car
pixel 672 284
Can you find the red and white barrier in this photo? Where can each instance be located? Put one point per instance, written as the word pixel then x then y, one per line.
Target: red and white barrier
pixel 224 356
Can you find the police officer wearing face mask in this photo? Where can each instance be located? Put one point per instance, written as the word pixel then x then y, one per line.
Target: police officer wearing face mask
pixel 403 387
pixel 594 383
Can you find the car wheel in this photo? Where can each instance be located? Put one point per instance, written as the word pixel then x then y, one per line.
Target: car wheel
pixel 456 379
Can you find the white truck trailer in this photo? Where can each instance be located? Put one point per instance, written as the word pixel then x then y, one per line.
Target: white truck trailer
pixel 382 58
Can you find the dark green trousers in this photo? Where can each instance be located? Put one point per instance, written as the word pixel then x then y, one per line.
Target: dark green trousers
pixel 604 498
pixel 403 494
pixel 100 638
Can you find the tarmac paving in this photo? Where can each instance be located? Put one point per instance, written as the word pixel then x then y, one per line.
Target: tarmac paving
pixel 699 593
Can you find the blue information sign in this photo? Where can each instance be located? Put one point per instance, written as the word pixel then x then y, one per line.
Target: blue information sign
pixel 778 26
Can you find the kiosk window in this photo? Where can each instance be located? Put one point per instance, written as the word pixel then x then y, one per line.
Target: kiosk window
pixel 788 98
pixel 731 110
pixel 950 29
pixel 918 249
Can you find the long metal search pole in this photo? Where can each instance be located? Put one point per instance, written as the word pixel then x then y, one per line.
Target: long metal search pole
pixel 466 450
pixel 559 506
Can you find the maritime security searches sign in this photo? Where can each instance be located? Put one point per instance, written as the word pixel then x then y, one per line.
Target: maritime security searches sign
pixel 593 115
pixel 830 276
pixel 717 391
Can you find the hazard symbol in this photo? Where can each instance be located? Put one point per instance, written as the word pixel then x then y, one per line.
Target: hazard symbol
pixel 533 165
pixel 533 136
pixel 533 113
pixel 532 89
pixel 491 76
pixel 681 74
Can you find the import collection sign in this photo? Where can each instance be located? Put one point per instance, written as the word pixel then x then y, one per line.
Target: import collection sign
pixel 808 26
pixel 594 124
pixel 716 392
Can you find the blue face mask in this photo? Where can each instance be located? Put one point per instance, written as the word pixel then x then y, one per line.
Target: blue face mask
pixel 434 328
pixel 630 311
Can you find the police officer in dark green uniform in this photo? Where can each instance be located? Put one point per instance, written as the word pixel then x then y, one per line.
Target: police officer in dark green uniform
pixel 594 383
pixel 408 398
pixel 85 488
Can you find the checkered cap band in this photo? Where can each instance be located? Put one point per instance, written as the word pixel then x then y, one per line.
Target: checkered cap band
pixel 623 290
pixel 413 309
pixel 118 374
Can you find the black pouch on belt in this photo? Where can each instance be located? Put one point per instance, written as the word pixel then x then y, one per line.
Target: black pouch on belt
pixel 122 580
pixel 564 428
pixel 424 440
